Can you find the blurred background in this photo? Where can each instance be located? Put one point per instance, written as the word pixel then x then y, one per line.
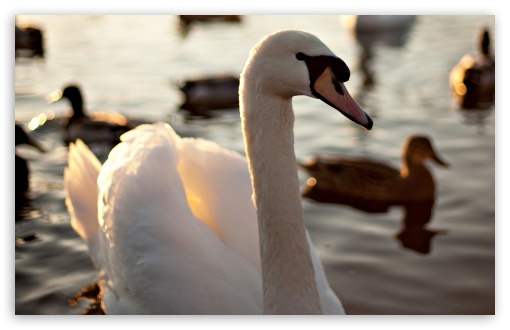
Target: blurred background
pixel 436 256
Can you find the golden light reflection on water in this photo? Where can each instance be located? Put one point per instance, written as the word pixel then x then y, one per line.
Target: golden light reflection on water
pixel 40 120
pixel 54 96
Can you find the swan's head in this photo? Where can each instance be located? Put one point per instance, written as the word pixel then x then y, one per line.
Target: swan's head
pixel 289 63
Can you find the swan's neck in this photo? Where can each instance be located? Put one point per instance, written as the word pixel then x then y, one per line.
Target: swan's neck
pixel 288 277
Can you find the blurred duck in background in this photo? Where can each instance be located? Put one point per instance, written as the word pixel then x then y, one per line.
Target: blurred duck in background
pixel 21 167
pixel 371 185
pixel 187 21
pixel 29 42
pixel 391 29
pixel 203 95
pixel 96 127
pixel 371 31
pixel 473 79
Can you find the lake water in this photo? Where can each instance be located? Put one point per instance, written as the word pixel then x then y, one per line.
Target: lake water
pixel 130 64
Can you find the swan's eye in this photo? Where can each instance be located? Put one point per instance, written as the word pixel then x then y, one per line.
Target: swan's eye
pixel 300 56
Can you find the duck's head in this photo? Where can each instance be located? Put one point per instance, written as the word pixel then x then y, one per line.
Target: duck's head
pixel 73 94
pixel 417 149
pixel 484 42
pixel 291 63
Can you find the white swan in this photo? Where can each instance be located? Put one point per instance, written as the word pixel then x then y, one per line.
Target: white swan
pixel 171 224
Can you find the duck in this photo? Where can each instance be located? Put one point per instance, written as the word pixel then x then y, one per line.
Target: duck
pixel 21 167
pixel 97 127
pixel 373 185
pixel 184 226
pixel 187 21
pixel 372 31
pixel 29 42
pixel 473 79
pixel 202 95
pixel 390 30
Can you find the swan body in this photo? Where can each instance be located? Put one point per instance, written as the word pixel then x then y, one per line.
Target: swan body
pixel 97 127
pixel 473 79
pixel 372 185
pixel 182 226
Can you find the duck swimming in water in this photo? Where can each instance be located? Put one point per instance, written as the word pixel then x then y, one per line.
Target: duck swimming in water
pixel 372 185
pixel 204 95
pixel 96 127
pixel 21 167
pixel 473 79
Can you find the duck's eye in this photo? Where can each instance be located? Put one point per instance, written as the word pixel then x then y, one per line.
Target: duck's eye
pixel 300 56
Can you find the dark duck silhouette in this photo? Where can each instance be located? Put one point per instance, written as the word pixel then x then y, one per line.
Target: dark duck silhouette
pixel 28 42
pixel 373 186
pixel 96 127
pixel 186 22
pixel 473 79
pixel 21 167
pixel 204 95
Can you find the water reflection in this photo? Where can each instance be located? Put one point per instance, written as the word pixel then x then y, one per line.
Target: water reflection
pixel 371 31
pixel 373 187
pixel 414 233
pixel 478 118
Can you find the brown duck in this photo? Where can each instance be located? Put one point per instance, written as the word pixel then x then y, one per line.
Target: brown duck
pixel 370 185
pixel 473 79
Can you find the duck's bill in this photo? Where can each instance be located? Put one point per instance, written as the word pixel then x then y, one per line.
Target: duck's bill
pixel 438 160
pixel 333 92
pixel 54 96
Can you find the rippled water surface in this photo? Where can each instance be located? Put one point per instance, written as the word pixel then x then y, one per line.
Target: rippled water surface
pixel 130 64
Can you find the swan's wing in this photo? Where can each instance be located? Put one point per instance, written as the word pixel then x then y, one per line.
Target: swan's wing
pixel 157 257
pixel 218 186
pixel 80 185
